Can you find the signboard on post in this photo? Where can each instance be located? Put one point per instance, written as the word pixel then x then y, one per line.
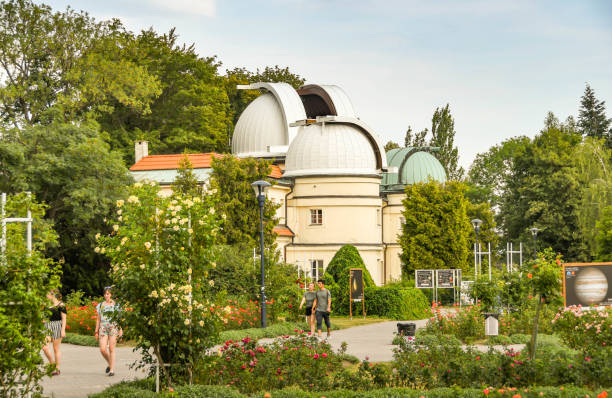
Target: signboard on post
pixel 356 291
pixel 424 278
pixel 445 278
pixel 587 284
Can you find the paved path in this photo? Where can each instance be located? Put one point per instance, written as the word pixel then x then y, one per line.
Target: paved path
pixel 83 372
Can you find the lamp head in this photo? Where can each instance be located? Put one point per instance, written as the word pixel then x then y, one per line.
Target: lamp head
pixel 476 223
pixel 260 187
pixel 534 231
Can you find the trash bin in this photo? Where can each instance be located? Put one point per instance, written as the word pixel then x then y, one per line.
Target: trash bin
pixel 491 323
pixel 406 329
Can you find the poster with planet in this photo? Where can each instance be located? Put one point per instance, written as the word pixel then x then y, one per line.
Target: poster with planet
pixel 587 284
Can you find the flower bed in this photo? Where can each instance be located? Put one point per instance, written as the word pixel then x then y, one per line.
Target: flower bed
pixel 82 319
pixel 583 329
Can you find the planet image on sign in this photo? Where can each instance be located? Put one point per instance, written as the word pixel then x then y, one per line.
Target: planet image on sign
pixel 591 286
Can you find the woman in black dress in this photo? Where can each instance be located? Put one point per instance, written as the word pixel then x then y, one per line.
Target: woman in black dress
pixel 56 330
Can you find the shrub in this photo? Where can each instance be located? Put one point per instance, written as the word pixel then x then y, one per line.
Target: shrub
pixel 466 323
pixel 584 329
pixel 26 279
pixel 81 319
pixel 396 302
pixel 80 339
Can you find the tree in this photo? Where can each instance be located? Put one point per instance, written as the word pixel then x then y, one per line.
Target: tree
pixel 230 181
pixel 162 250
pixel 337 276
pixel 26 280
pixel 391 145
pixel 64 66
pixel 186 182
pixel 592 119
pixel 191 111
pixel 74 173
pixel 418 140
pixel 436 231
pixel 544 191
pixel 604 235
pixel 443 136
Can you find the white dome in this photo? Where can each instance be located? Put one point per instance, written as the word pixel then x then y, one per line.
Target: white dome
pixel 331 149
pixel 259 126
pixel 264 127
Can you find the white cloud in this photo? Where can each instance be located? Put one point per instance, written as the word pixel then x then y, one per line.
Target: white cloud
pixel 194 7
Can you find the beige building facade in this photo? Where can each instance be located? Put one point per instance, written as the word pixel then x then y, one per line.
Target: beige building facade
pixel 334 181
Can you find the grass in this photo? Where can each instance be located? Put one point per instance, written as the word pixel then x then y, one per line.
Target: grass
pixel 346 322
pixel 90 341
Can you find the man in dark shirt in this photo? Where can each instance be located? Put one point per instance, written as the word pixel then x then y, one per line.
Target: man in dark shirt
pixel 322 305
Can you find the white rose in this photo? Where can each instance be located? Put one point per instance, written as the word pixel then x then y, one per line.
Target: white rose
pixel 115 228
pixel 187 321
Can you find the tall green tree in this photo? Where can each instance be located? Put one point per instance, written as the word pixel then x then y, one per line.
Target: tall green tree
pixel 437 230
pixel 604 235
pixel 416 140
pixel 230 181
pixel 73 171
pixel 592 119
pixel 391 145
pixel 63 66
pixel 443 136
pixel 186 183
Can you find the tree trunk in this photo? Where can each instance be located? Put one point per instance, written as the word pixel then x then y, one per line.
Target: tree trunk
pixel 534 334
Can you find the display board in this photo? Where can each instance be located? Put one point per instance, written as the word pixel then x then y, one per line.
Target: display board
pixel 356 284
pixel 424 278
pixel 445 278
pixel 587 284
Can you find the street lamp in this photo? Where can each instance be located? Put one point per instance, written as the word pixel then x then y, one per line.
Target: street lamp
pixel 260 187
pixel 476 223
pixel 534 233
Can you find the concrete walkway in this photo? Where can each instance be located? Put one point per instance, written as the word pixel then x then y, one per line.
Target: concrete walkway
pixel 83 371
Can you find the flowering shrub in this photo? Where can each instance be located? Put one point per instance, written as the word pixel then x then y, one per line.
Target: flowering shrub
pixel 82 319
pixel 161 251
pixel 288 361
pixel 584 329
pixel 236 315
pixel 466 323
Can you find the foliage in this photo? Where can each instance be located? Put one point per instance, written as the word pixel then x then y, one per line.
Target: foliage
pixel 487 292
pixel 488 232
pixel 289 361
pixel 274 330
pixel 436 231
pixel 26 279
pixel 437 361
pixel 162 251
pixel 230 183
pixel 81 319
pixel 584 329
pixel 443 136
pixel 391 145
pixel 80 339
pixel 337 277
pixel 186 183
pixel 604 235
pixel 63 66
pixel 396 302
pixel 418 140
pixel 73 171
pixel 465 324
pixel 592 119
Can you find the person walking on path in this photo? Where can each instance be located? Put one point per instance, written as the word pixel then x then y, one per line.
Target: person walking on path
pixel 309 298
pixel 107 332
pixel 322 305
pixel 56 330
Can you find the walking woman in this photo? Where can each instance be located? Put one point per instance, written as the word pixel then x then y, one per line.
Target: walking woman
pixel 56 330
pixel 107 331
pixel 308 299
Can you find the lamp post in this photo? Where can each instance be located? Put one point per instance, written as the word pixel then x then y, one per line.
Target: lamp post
pixel 260 187
pixel 476 223
pixel 534 233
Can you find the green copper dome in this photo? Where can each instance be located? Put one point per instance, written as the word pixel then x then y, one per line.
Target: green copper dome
pixel 413 165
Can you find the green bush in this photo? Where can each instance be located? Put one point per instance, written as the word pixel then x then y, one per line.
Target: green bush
pixel 80 339
pixel 396 302
pixel 337 278
pixel 594 326
pixel 274 330
pixel 146 388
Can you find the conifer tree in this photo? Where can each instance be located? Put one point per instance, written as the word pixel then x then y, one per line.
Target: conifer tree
pixel 443 136
pixel 186 182
pixel 592 119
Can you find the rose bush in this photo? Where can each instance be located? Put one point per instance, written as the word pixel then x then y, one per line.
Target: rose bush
pixel 584 329
pixel 162 251
pixel 82 319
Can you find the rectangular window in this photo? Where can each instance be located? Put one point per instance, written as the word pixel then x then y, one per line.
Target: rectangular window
pixel 316 216
pixel 316 269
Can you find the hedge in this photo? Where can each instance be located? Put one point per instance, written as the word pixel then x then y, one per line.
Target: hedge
pixel 143 389
pixel 396 302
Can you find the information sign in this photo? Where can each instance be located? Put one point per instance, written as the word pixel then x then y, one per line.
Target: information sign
pixel 587 284
pixel 445 278
pixel 356 284
pixel 424 278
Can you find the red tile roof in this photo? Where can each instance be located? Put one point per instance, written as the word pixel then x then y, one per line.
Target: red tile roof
pixel 283 230
pixel 198 161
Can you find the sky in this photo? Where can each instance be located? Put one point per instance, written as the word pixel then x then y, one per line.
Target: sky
pixel 501 66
